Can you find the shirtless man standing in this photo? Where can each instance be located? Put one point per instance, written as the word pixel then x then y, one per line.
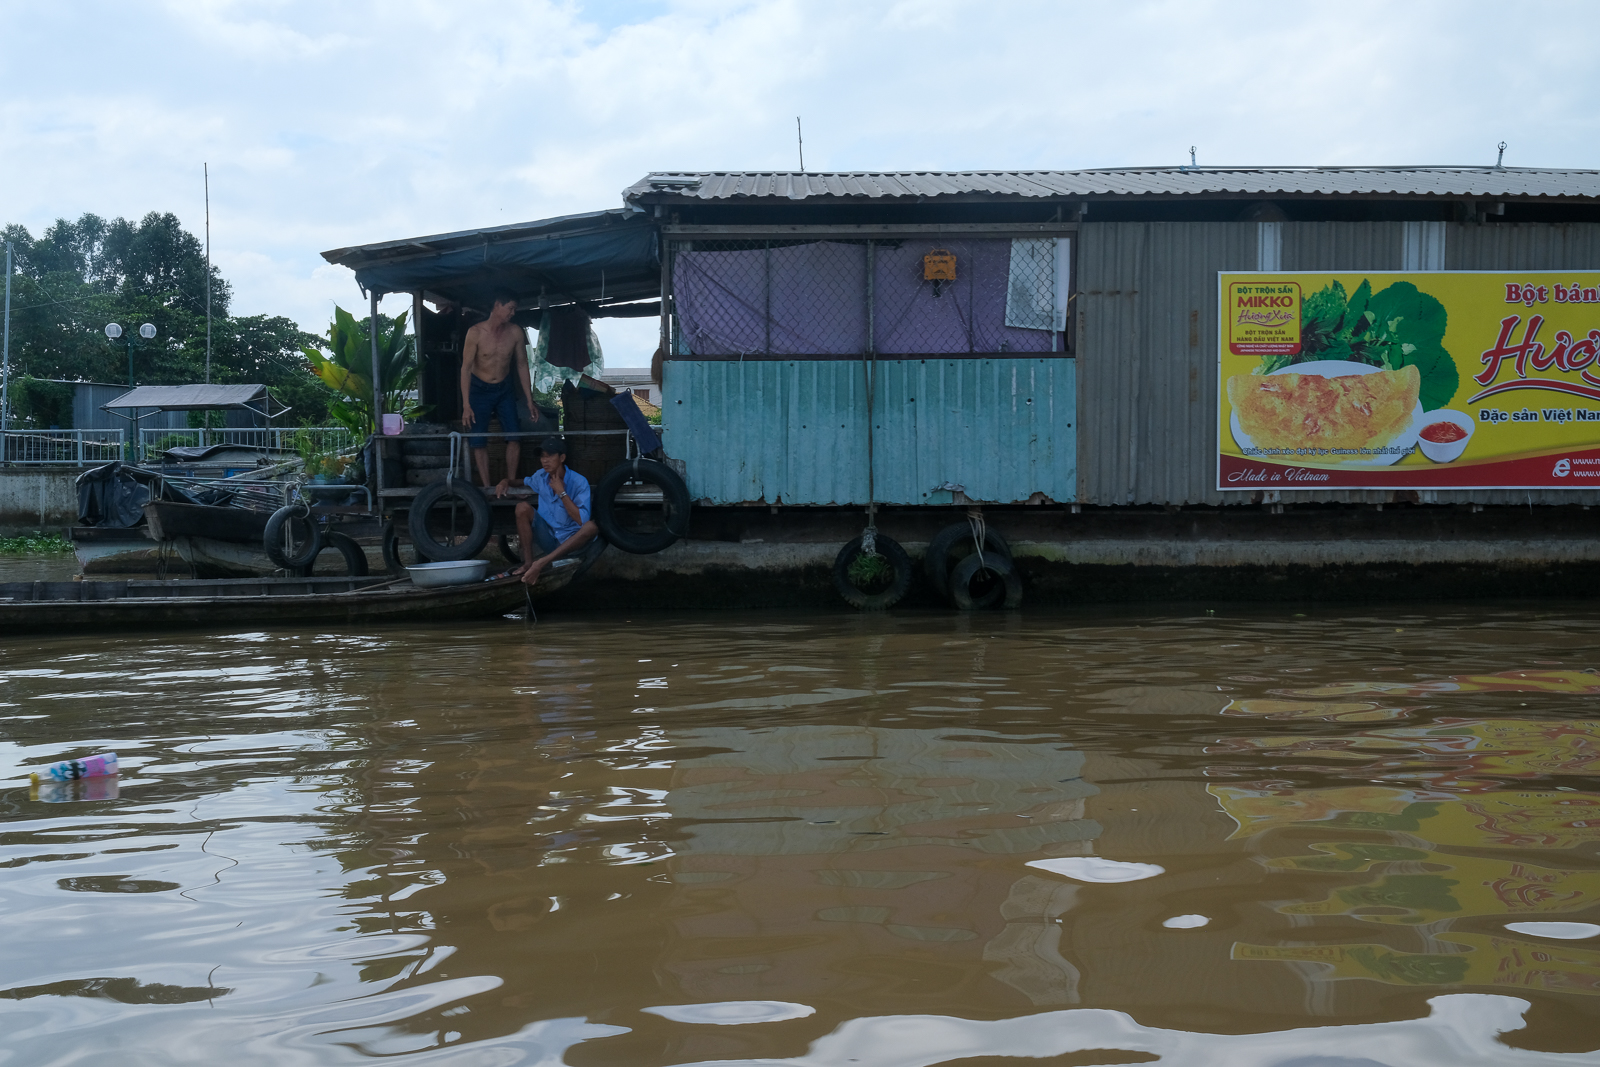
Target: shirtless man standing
pixel 491 350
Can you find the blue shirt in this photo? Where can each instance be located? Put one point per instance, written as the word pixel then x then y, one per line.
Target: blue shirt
pixel 552 509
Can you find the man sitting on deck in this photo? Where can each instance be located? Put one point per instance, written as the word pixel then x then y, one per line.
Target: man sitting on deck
pixel 489 381
pixel 560 524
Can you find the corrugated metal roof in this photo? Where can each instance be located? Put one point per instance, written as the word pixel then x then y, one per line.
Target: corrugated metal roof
pixel 190 397
pixel 1121 181
pixel 357 256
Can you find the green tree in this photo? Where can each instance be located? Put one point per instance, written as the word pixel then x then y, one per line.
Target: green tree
pixel 80 274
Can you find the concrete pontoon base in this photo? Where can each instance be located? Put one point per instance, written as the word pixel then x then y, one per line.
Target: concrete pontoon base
pixel 757 557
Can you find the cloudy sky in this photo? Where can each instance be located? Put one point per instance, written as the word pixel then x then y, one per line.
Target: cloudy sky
pixel 334 123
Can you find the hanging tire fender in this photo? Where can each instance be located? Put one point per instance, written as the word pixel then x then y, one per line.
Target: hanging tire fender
pixel 272 537
pixel 674 504
pixel 936 563
pixel 477 506
pixel 899 563
pixel 355 560
pixel 1007 591
pixel 393 560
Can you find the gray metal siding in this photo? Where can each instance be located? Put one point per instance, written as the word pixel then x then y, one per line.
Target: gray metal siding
pixel 1147 399
pixel 1148 308
pixel 88 415
pixel 1309 246
pixel 794 431
pixel 1522 246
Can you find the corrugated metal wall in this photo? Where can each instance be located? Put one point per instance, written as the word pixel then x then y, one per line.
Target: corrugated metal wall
pixel 1147 309
pixel 1523 246
pixel 1147 313
pixel 88 415
pixel 1342 246
pixel 793 431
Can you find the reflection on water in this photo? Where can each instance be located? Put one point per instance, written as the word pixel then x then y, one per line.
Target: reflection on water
pixel 1256 838
pixel 51 567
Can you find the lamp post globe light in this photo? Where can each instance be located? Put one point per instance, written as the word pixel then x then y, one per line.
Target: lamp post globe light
pixel 114 332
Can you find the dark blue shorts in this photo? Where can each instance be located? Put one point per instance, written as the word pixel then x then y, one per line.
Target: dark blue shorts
pixel 499 399
pixel 542 533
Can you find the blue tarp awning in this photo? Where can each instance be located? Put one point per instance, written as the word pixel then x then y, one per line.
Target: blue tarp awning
pixel 598 256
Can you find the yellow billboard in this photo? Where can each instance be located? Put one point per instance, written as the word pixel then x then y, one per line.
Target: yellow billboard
pixel 1413 380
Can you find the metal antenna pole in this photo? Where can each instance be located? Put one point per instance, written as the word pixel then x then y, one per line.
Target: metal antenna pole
pixel 207 172
pixel 801 137
pixel 5 367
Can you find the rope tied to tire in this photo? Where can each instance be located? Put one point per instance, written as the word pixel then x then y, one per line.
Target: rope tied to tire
pixel 979 530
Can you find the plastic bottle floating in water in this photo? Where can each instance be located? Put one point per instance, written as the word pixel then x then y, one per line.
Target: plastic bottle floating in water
pixel 52 792
pixel 71 770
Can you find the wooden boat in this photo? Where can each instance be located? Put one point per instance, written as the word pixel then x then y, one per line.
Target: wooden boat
pixel 134 605
pixel 217 541
pixel 168 519
pixel 115 550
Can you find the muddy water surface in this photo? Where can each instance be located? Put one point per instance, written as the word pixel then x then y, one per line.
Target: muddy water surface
pixel 1250 838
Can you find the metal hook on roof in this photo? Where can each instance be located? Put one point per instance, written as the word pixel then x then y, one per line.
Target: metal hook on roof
pixel 1500 159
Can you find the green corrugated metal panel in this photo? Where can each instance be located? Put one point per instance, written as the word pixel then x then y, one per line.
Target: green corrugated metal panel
pixel 794 431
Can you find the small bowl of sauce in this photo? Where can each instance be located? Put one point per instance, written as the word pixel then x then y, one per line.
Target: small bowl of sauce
pixel 1444 434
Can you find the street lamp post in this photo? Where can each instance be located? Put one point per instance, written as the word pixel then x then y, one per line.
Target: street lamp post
pixel 114 331
pixel 5 369
pixel 148 332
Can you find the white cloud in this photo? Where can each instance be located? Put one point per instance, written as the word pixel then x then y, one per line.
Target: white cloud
pixel 333 124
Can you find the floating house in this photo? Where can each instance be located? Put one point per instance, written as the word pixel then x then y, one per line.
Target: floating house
pixel 1049 347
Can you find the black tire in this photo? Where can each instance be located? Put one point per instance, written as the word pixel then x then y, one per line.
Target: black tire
pixel 393 553
pixel 292 537
pixel 1006 588
pixel 587 556
pixel 674 506
pixel 949 542
pixel 355 560
pixel 461 495
pixel 512 556
pixel 899 563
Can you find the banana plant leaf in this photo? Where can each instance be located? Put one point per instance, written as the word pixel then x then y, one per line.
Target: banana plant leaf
pixel 346 368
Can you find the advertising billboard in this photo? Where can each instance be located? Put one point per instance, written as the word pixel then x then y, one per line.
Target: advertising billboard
pixel 1409 380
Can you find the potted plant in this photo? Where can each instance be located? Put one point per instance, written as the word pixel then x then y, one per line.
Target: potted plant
pixel 321 467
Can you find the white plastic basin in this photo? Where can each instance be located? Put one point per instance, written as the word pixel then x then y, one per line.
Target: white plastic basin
pixel 451 572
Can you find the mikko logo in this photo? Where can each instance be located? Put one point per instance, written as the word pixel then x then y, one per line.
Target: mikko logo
pixel 1563 468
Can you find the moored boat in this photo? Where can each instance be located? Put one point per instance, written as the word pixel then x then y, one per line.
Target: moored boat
pixel 144 605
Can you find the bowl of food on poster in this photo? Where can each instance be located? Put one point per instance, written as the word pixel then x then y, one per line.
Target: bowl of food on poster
pixel 1444 434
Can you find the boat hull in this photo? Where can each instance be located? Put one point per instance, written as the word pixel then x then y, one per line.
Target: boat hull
pixel 168 520
pixel 224 559
pixel 131 605
pixel 113 550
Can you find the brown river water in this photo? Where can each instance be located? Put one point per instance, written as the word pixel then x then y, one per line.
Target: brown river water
pixel 1258 837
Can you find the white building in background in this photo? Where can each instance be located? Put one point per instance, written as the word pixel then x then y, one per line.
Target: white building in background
pixel 636 378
